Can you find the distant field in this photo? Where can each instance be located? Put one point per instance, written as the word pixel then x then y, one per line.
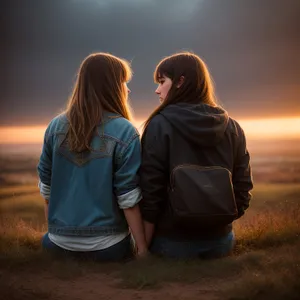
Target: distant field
pixel 273 161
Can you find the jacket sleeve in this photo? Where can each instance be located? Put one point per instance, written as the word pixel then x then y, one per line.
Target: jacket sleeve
pixel 153 171
pixel 44 167
pixel 242 176
pixel 126 181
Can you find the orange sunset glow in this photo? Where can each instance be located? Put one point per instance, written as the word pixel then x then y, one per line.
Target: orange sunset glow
pixel 276 128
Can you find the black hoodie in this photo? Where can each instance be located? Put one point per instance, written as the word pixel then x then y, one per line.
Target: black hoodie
pixel 201 125
pixel 194 134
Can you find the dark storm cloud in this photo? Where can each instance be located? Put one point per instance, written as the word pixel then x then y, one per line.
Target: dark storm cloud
pixel 251 48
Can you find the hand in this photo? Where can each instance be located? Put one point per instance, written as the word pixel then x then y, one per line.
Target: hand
pixel 142 252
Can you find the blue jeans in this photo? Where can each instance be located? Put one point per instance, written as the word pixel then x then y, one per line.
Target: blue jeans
pixel 118 252
pixel 185 249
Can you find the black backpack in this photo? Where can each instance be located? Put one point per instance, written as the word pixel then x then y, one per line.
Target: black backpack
pixel 201 196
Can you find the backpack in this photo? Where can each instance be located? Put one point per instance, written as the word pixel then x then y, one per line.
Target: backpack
pixel 201 196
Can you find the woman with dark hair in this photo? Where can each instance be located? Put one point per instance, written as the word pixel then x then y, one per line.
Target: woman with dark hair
pixel 195 172
pixel 88 167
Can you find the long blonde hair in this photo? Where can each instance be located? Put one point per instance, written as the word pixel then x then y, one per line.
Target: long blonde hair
pixel 197 86
pixel 100 86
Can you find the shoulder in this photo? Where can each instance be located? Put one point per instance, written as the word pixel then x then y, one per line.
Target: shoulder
pixel 120 129
pixel 235 127
pixel 156 132
pixel 122 125
pixel 121 122
pixel 156 124
pixel 57 124
pixel 237 131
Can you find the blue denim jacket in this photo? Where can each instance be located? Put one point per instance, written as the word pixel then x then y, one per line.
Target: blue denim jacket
pixel 89 190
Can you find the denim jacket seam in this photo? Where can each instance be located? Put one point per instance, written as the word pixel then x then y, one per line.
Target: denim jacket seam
pixel 83 164
pixel 128 144
pixel 107 136
pixel 47 142
pixel 48 136
pixel 86 231
pixel 133 137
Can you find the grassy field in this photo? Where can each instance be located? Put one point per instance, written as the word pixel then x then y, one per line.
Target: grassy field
pixel 265 263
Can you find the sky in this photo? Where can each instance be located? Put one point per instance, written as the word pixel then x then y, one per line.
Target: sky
pixel 251 47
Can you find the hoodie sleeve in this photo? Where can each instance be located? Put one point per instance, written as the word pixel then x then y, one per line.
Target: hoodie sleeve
pixel 242 176
pixel 153 171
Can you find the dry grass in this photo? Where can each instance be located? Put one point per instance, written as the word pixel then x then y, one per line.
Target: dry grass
pixel 277 276
pixel 265 264
pixel 23 203
pixel 17 234
pixel 266 244
pixel 12 191
pixel 269 229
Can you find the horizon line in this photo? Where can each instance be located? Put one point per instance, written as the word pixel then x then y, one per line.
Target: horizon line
pixel 255 129
pixel 140 121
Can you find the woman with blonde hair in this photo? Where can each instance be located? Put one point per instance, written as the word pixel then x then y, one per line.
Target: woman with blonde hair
pixel 88 167
pixel 195 171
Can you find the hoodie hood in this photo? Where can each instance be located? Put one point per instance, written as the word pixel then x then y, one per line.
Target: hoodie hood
pixel 199 124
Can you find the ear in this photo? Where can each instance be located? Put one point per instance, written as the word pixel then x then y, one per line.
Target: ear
pixel 180 82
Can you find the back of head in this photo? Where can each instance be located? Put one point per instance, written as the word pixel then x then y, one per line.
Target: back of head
pixel 191 81
pixel 100 87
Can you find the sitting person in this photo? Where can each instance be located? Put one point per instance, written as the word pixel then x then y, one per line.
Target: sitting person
pixel 88 168
pixel 195 174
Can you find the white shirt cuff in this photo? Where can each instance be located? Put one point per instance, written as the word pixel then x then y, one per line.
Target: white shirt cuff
pixel 44 190
pixel 130 199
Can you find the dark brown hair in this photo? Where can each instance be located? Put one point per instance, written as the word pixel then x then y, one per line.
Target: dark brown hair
pixel 100 86
pixel 197 86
